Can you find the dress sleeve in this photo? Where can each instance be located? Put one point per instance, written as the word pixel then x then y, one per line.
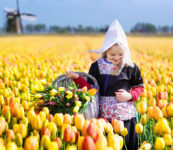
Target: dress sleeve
pixel 136 92
pixel 136 78
pixel 94 72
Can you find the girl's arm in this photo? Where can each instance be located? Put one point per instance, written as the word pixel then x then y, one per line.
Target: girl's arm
pixel 81 81
pixel 136 92
pixel 92 71
pixel 77 79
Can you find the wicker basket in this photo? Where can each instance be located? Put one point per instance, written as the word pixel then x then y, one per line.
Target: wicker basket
pixel 93 108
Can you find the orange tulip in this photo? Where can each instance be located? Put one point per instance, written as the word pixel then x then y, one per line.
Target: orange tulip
pixel 118 125
pixel 45 131
pixel 142 107
pixel 161 103
pixel 67 119
pixel 69 135
pixel 149 94
pixel 59 142
pixel 80 142
pixel 152 102
pixel 91 130
pixel 10 134
pixel 164 111
pixel 23 130
pixel 31 143
pixel 14 108
pixel 5 109
pixel 157 113
pixel 79 121
pixel 88 143
pixel 150 112
pixel 2 125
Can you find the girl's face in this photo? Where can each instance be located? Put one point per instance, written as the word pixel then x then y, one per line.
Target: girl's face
pixel 115 54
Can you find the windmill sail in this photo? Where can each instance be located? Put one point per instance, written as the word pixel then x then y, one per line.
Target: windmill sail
pixel 29 17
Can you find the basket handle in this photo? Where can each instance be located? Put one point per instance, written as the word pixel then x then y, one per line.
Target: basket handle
pixel 83 74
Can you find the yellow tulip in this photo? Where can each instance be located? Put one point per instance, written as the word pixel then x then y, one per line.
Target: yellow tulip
pixel 38 96
pixel 2 100
pixel 167 138
pixel 169 109
pixel 113 141
pixel 53 92
pixel 11 146
pixel 108 128
pixel 159 143
pixel 101 143
pixel 45 141
pixel 80 142
pixel 46 110
pixel 143 119
pixel 42 115
pixel 23 130
pixel 52 127
pixel 84 89
pixel 36 122
pixel 76 109
pixel 139 128
pixel 78 103
pixel 124 132
pixel 20 113
pixel 87 98
pixel 71 147
pixel 58 119
pixel 61 89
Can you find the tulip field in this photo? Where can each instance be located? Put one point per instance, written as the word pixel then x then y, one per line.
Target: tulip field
pixel 28 63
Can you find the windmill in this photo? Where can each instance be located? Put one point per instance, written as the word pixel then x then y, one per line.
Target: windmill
pixel 13 23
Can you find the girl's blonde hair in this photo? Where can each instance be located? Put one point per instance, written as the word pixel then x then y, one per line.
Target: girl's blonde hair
pixel 104 55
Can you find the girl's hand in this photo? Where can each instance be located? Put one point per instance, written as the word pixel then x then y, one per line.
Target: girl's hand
pixel 71 75
pixel 122 95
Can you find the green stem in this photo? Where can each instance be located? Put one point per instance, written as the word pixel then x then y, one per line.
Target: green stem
pixel 140 139
pixel 143 134
pixel 151 134
pixel 125 143
pixel 152 129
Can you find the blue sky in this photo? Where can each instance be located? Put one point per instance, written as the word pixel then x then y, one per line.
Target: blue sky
pixel 96 13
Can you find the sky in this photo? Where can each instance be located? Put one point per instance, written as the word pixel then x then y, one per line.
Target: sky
pixel 96 13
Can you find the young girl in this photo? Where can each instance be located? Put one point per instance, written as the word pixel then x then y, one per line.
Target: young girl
pixel 119 80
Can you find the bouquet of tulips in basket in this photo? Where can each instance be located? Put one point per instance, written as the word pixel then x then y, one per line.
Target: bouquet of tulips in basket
pixel 65 100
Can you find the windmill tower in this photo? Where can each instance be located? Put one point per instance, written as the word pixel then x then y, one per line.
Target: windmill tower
pixel 13 23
